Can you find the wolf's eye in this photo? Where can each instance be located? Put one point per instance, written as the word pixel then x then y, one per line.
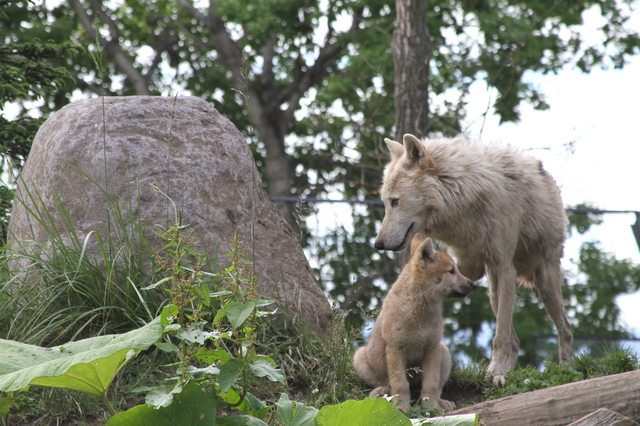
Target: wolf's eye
pixel 394 202
pixel 452 271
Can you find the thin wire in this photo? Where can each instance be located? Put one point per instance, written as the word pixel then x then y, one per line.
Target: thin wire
pixel 380 203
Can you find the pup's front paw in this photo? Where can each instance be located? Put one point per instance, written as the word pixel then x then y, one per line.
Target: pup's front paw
pixel 447 405
pixel 403 403
pixel 442 404
pixel 379 391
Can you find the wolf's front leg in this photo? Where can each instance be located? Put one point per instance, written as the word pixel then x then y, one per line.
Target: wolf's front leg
pixel 397 368
pixel 502 293
pixel 436 366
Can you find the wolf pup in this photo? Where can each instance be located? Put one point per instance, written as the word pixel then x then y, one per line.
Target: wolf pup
pixel 498 211
pixel 406 341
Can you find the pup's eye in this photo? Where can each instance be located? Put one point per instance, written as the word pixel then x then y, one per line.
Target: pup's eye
pixel 394 202
pixel 452 271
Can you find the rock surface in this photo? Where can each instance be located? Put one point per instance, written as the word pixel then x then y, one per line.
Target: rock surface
pixel 186 149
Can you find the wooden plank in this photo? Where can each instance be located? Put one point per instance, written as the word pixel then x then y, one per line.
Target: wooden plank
pixel 604 417
pixel 561 405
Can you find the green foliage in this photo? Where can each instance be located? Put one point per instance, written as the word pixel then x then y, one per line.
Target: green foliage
pixel 602 277
pixel 583 367
pixel 212 318
pixel 380 412
pixel 458 420
pixel 529 379
pixel 293 414
pixel 22 73
pixel 27 73
pixel 582 222
pixel 191 407
pixel 318 370
pixel 614 361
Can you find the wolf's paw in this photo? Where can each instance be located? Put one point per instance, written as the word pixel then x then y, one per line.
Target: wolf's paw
pixel 402 402
pixel 447 405
pixel 498 371
pixel 442 404
pixel 498 380
pixel 379 391
pixel 403 406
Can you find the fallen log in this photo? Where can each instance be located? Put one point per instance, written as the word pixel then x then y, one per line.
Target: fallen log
pixel 604 417
pixel 561 405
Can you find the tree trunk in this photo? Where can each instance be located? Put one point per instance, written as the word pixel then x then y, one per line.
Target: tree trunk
pixel 411 46
pixel 561 405
pixel 278 170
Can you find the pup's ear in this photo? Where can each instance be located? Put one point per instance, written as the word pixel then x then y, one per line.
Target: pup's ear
pixel 396 149
pixel 417 153
pixel 427 251
pixel 416 242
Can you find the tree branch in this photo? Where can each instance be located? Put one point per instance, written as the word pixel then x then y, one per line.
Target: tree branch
pixel 96 7
pixel 86 86
pixel 267 78
pixel 116 54
pixel 318 71
pixel 162 43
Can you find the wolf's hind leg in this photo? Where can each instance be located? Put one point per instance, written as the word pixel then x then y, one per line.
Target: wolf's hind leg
pixel 548 282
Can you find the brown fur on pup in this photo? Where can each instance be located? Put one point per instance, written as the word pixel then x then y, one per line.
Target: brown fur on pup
pixel 407 334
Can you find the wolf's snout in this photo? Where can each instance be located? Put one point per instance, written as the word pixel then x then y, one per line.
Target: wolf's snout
pixel 379 245
pixel 473 284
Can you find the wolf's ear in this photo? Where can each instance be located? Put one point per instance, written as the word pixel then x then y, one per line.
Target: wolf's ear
pixel 396 149
pixel 427 251
pixel 416 242
pixel 417 153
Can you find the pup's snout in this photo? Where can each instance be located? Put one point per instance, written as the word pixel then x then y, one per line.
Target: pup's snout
pixel 379 245
pixel 473 284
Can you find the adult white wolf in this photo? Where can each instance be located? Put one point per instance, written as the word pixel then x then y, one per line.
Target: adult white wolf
pixel 497 210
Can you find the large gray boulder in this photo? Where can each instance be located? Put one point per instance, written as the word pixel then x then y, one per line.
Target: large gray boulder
pixel 187 150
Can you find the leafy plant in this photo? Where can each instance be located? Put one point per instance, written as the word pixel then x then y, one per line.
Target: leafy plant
pixel 211 321
pixel 369 412
pixel 191 406
pixel 318 370
pixel 615 360
pixel 88 365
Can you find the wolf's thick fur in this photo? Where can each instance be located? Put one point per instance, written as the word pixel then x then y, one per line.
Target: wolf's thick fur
pixel 498 211
pixel 407 334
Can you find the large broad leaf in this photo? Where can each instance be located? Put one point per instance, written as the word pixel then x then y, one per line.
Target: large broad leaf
pixel 87 365
pixel 368 412
pixel 294 414
pixel 239 421
pixel 92 377
pixel 461 420
pixel 191 407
